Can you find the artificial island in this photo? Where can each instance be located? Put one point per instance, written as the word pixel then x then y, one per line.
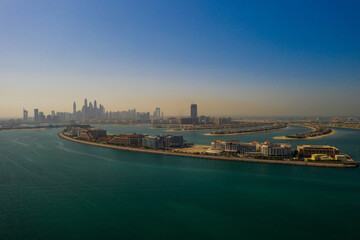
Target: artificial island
pixel 231 150
pixel 318 131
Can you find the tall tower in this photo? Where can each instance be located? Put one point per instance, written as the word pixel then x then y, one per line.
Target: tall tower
pixel 157 112
pixel 85 103
pixel 193 110
pixel 95 104
pixel 36 115
pixel 74 107
pixel 25 114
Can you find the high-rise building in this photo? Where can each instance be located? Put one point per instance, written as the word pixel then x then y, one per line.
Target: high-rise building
pixel 95 104
pixel 85 103
pixel 41 116
pixel 52 113
pixel 193 110
pixel 74 107
pixel 36 115
pixel 157 112
pixel 25 114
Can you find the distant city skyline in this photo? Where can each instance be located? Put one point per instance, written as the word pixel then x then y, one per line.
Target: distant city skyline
pixel 234 58
pixel 184 110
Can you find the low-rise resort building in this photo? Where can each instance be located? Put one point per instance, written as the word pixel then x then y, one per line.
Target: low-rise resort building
pixel 255 148
pixel 320 153
pixel 308 150
pixel 85 132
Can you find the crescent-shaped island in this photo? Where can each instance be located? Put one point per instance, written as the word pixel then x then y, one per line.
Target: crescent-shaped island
pixel 233 150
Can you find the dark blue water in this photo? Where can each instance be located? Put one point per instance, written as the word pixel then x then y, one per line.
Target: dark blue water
pixel 54 189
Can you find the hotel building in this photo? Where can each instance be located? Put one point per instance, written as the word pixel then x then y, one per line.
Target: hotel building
pixel 306 151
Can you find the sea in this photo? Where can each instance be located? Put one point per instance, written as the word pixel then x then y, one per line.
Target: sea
pixel 51 188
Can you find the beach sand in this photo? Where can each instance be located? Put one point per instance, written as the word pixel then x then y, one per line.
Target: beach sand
pixel 229 134
pixel 307 138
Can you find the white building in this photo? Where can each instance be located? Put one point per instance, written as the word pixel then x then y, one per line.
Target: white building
pixel 275 149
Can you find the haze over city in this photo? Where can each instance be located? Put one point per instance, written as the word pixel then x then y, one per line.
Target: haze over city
pixel 261 58
pixel 179 119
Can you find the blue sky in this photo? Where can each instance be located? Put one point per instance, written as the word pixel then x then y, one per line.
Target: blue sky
pixel 231 57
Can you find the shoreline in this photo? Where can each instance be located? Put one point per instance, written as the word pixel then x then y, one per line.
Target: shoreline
pixel 229 134
pixel 307 138
pixel 222 158
pixel 18 129
pixel 345 127
pixel 205 129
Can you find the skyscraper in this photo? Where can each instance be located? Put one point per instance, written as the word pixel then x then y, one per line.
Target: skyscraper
pixel 36 115
pixel 25 114
pixel 95 104
pixel 74 107
pixel 193 110
pixel 85 103
pixel 157 112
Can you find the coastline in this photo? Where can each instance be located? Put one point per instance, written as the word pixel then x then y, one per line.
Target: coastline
pixel 205 129
pixel 222 158
pixel 18 129
pixel 307 138
pixel 345 127
pixel 183 130
pixel 229 134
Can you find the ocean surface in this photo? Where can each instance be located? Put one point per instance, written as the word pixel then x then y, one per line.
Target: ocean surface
pixel 51 188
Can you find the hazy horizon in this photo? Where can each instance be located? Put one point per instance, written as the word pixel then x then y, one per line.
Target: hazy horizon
pixel 257 58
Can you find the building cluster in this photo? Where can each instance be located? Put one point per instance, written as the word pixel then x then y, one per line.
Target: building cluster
pixel 92 112
pixel 145 141
pixel 85 132
pixel 87 112
pixel 305 152
pixel 202 120
pixel 255 148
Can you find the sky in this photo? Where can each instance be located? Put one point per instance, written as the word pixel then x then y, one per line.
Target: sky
pixel 232 58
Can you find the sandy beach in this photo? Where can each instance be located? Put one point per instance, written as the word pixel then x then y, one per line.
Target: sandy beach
pixel 307 138
pixel 229 134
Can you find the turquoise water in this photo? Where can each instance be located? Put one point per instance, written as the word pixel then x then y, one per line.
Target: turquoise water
pixel 55 189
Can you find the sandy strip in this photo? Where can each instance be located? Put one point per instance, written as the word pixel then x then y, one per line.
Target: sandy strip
pixel 229 134
pixel 307 138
